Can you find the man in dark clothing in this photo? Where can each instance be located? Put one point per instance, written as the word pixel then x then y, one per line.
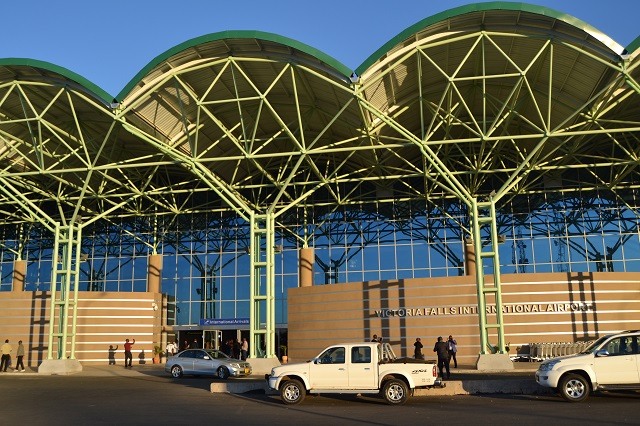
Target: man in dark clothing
pixel 236 349
pixel 443 357
pixel 451 344
pixel 228 348
pixel 417 352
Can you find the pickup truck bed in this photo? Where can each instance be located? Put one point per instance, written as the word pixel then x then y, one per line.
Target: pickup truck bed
pixel 407 360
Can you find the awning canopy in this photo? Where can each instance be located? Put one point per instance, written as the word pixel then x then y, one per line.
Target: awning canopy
pixel 495 96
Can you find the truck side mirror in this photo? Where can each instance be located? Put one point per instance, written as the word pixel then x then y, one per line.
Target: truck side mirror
pixel 602 352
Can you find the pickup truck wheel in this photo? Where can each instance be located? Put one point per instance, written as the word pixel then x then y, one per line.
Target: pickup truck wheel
pixel 292 392
pixel 395 392
pixel 573 388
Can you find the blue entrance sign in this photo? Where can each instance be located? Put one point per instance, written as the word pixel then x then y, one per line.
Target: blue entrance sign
pixel 224 321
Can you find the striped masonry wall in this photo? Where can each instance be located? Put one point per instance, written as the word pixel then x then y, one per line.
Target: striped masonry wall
pixel 554 307
pixel 104 320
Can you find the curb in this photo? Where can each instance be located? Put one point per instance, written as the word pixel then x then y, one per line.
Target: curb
pixel 470 387
pixel 453 387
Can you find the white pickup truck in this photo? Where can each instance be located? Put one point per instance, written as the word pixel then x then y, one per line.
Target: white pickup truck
pixel 355 368
pixel 610 363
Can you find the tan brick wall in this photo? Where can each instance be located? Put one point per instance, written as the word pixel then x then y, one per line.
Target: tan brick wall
pixel 537 308
pixel 103 319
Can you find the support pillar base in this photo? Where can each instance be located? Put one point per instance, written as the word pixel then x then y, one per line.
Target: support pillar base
pixel 262 366
pixel 60 366
pixel 494 362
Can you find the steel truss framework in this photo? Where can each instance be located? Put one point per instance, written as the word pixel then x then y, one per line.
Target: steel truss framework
pixel 479 106
pixel 585 228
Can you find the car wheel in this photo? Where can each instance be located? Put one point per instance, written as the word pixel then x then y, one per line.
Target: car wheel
pixel 395 392
pixel 292 392
pixel 223 373
pixel 176 371
pixel 573 388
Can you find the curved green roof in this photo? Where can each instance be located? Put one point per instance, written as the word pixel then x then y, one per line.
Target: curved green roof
pixel 238 34
pixel 634 45
pixel 47 66
pixel 479 7
pixel 319 55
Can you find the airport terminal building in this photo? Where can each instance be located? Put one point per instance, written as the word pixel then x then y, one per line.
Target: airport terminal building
pixel 477 176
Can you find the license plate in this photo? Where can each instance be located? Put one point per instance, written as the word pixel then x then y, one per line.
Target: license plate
pixel 246 371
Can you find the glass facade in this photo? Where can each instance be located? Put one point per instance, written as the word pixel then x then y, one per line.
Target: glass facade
pixel 206 262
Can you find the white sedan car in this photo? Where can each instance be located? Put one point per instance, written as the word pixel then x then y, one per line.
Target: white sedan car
pixel 206 362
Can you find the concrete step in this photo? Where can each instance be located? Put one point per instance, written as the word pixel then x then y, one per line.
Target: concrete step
pixel 505 384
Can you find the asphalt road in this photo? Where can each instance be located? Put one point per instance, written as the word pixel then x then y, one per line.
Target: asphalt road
pixel 158 400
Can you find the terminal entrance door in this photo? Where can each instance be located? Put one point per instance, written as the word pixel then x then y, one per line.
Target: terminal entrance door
pixel 221 340
pixel 190 339
pixel 227 338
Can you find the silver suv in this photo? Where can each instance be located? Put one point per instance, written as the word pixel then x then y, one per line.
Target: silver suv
pixel 610 363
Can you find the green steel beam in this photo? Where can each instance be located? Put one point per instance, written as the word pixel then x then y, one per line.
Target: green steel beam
pixel 262 278
pixel 484 213
pixel 64 292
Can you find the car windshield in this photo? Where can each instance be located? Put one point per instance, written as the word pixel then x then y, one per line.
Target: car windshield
pixel 217 354
pixel 595 345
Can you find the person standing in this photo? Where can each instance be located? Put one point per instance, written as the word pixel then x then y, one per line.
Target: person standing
pixel 451 347
pixel 236 349
pixel 171 349
pixel 443 357
pixel 375 338
pixel 19 356
pixel 128 357
pixel 244 350
pixel 417 352
pixel 6 356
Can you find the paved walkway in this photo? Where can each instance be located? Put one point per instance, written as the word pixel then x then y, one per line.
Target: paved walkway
pixel 465 372
pixel 100 370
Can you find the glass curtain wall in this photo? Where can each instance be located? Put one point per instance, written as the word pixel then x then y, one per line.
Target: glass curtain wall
pixel 206 261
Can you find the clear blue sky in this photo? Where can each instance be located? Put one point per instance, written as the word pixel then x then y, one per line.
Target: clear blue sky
pixel 109 42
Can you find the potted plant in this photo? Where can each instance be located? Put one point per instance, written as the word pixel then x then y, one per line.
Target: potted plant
pixel 157 352
pixel 283 353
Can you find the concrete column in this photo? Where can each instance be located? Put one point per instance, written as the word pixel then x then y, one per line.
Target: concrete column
pixel 305 266
pixel 154 273
pixel 469 258
pixel 19 275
